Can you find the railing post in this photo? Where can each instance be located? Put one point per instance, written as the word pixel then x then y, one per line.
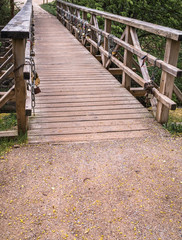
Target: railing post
pixel 167 80
pixel 93 35
pixel 128 57
pixel 107 28
pixel 20 84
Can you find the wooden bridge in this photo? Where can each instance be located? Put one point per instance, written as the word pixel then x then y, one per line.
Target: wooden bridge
pixel 80 98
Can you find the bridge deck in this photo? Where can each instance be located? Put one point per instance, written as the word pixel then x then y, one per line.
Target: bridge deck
pixel 80 100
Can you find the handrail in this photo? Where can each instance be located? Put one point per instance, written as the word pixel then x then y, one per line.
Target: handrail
pixel 167 32
pixel 19 26
pixel 70 15
pixel 19 30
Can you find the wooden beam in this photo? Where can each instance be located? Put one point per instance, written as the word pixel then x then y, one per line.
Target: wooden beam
pixel 7 73
pixel 169 68
pixel 93 35
pixel 115 71
pixel 20 84
pixel 167 80
pixel 8 134
pixel 98 57
pixel 126 79
pixel 138 92
pixel 19 26
pixel 7 96
pixel 7 61
pixel 136 43
pixel 28 106
pixel 2 59
pixel 167 102
pixel 107 28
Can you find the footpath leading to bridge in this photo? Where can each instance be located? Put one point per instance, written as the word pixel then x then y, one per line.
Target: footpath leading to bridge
pixel 80 100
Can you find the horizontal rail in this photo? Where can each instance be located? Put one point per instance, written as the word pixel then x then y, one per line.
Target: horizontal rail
pixel 149 27
pixel 19 26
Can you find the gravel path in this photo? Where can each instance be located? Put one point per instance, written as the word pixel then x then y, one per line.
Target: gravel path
pixel 129 189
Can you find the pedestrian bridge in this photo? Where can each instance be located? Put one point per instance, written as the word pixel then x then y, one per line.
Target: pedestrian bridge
pixel 77 61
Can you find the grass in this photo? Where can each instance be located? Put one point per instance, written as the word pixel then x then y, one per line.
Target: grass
pixel 6 144
pixel 50 7
pixel 174 125
pixel 7 122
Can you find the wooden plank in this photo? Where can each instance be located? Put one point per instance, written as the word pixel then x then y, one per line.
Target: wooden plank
pixel 92 113
pixel 138 92
pixel 87 130
pixel 41 111
pixel 87 137
pixel 8 134
pixel 91 118
pixel 93 123
pixel 116 71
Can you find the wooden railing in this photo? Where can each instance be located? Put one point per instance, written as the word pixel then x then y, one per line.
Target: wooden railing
pixel 19 30
pixel 75 18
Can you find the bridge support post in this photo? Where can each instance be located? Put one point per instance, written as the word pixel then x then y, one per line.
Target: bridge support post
pixel 20 84
pixel 128 58
pixel 167 80
pixel 107 28
pixel 93 36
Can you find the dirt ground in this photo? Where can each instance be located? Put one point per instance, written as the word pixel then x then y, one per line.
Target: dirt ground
pixel 128 189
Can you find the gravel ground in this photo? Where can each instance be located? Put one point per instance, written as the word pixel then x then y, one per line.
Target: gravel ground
pixel 129 189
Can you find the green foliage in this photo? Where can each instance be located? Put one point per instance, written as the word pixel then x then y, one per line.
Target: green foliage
pixel 50 7
pixel 174 124
pixel 8 121
pixel 6 144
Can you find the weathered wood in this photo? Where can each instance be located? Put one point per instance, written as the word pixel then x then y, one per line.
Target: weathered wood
pixel 136 43
pixel 7 96
pixel 28 105
pixel 7 73
pixel 2 59
pixel 80 98
pixel 93 34
pixel 149 27
pixel 27 67
pixel 126 79
pixel 19 26
pixel 107 28
pixel 116 71
pixel 164 100
pixel 7 61
pixel 20 84
pixel 169 68
pixel 138 92
pixel 167 81
pixel 8 134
